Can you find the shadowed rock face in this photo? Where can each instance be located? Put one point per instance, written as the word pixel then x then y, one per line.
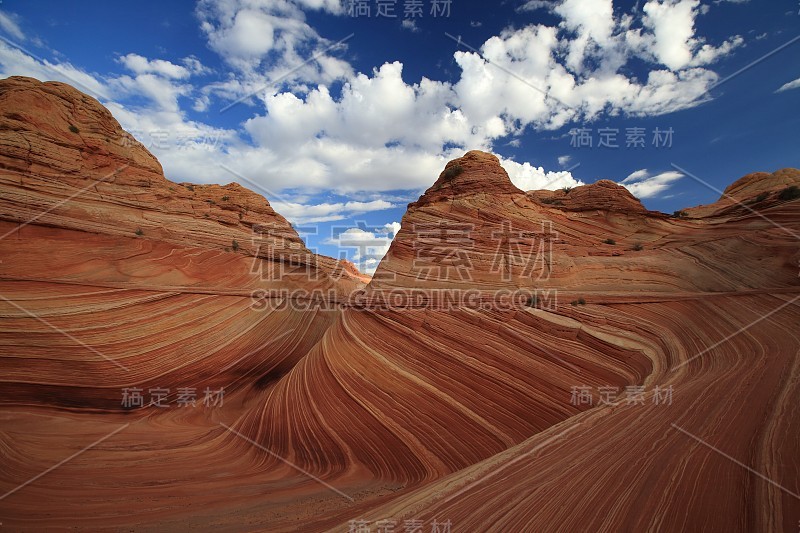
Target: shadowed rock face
pixel 755 192
pixel 408 411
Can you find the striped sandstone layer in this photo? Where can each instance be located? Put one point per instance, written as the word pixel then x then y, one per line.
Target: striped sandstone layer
pixel 378 411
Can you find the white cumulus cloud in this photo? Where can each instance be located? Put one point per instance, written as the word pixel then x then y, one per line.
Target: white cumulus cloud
pixel 795 84
pixel 528 177
pixel 642 185
pixel 365 246
pixel 382 131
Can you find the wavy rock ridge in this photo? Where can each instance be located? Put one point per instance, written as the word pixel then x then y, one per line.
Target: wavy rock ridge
pixel 382 410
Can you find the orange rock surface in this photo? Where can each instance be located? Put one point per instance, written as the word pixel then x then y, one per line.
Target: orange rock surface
pixel 441 391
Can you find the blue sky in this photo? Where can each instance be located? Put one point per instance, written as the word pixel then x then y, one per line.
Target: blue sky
pixel 341 120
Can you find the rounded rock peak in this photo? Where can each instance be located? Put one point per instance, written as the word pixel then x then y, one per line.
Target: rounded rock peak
pixel 761 182
pixel 474 172
pixel 603 194
pixel 479 155
pixel 73 132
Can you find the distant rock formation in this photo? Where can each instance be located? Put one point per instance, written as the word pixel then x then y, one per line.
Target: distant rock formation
pixel 602 194
pixel 752 193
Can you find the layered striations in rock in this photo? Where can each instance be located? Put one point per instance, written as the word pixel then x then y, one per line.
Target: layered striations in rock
pixel 443 390
pixel 117 276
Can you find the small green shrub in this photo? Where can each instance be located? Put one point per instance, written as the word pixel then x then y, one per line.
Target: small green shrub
pixel 761 197
pixel 190 187
pixel 139 232
pixel 638 247
pixel 566 189
pixel 581 301
pixel 452 172
pixel 789 193
pixel 226 198
pixel 552 201
pixel 680 214
pixel 532 301
pixel 610 241
pixel 74 129
pixel 234 245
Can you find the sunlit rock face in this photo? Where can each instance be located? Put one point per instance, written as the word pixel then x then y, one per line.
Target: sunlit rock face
pixel 156 275
pixel 445 389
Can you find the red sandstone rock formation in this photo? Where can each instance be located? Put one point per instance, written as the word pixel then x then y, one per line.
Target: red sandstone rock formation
pixel 752 193
pixel 91 231
pixel 413 411
pixel 603 194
